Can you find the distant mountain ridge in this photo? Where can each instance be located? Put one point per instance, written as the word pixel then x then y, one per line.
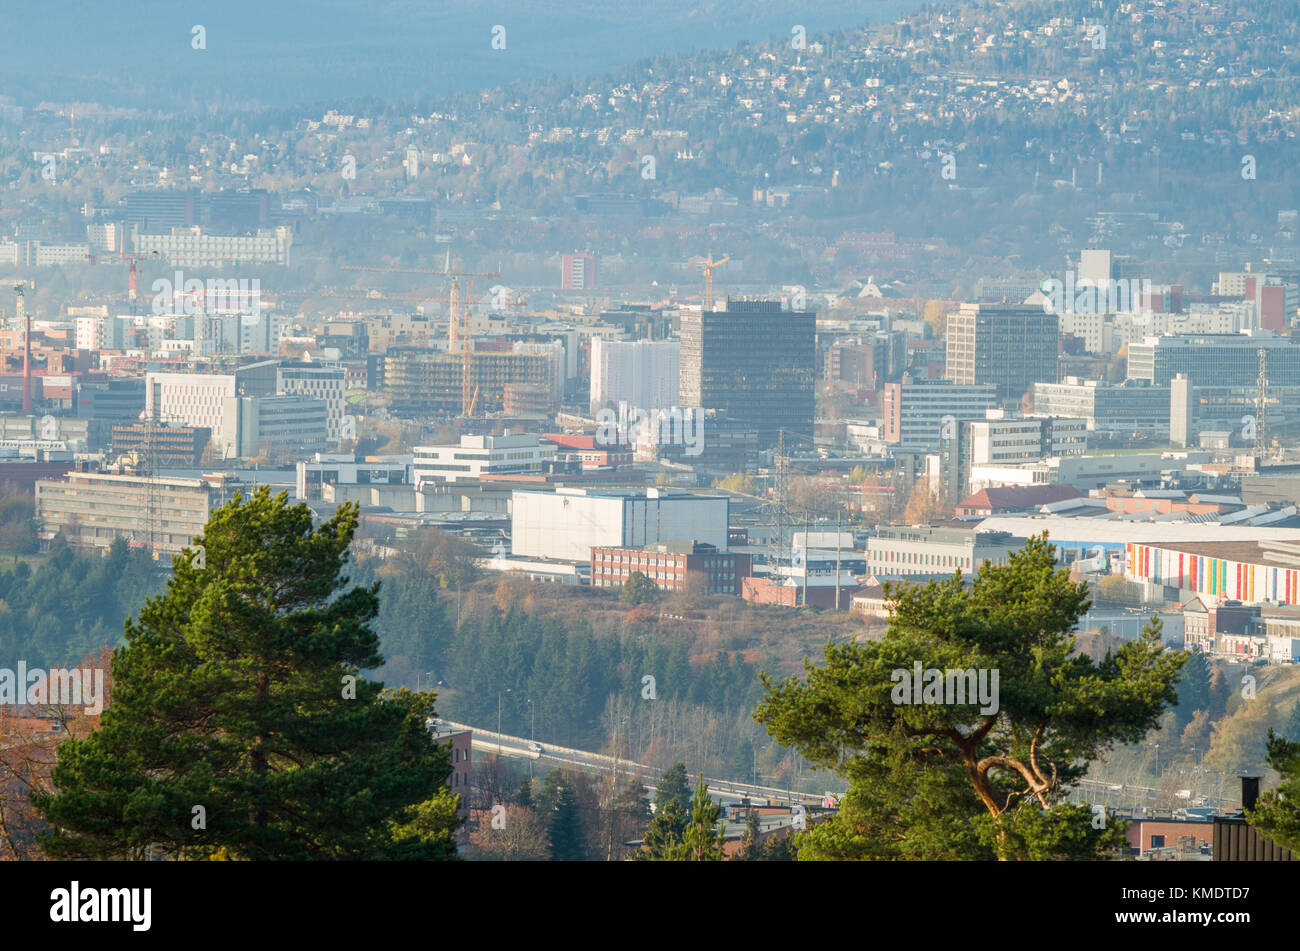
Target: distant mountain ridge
pixel 290 52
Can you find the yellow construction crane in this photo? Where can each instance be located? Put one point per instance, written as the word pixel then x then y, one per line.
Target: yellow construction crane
pixel 460 323
pixel 708 266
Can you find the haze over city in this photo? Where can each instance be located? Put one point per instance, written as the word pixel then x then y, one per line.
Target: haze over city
pixel 676 432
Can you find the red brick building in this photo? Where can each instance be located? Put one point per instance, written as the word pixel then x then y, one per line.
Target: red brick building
pixel 585 449
pixel 671 565
pixel 1186 835
pixel 461 743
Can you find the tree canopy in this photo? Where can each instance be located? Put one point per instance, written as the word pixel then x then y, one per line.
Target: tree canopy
pixel 1006 720
pixel 240 724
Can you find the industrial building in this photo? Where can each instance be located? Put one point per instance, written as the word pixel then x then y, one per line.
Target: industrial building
pixel 568 523
pixel 336 477
pixel 1251 572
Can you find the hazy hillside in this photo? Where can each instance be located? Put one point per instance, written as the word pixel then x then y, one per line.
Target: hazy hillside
pixel 294 51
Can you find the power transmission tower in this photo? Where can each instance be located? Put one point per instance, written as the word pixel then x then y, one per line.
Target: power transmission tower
pixel 778 516
pixel 1261 409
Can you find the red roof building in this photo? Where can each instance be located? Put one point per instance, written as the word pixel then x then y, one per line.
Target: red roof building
pixel 1000 500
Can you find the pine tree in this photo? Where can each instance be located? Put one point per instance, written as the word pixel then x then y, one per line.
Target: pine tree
pixel 1010 757
pixel 751 847
pixel 702 840
pixel 239 722
pixel 524 798
pixel 1193 688
pixel 564 827
pixel 1277 813
pixel 663 837
pixel 672 787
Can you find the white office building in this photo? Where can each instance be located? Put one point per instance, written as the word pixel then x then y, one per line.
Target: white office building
pixel 568 523
pixel 321 382
pixel 190 247
pixel 479 456
pixel 271 426
pixel 194 399
pixel 642 373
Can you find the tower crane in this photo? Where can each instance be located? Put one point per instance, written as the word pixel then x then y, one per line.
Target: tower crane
pixel 708 265
pixel 460 325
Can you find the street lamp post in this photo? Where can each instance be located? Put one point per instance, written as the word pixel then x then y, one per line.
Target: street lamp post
pixel 499 724
pixel 532 736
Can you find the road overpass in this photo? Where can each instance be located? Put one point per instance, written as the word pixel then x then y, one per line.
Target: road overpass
pixel 487 741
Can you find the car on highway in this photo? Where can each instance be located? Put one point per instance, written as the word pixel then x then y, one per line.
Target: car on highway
pixel 535 748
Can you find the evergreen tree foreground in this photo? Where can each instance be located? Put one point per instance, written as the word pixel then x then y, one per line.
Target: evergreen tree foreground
pixel 240 725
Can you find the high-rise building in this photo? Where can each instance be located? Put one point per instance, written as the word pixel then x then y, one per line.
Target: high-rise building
pixel 642 373
pixel 916 411
pixel 756 362
pixel 869 361
pixel 1180 411
pixel 578 271
pixel 1012 346
pixel 321 382
pixel 192 399
pixel 272 426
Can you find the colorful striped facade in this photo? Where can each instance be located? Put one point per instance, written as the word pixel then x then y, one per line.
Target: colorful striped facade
pixel 1245 581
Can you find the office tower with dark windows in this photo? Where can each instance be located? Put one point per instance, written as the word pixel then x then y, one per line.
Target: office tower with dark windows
pixel 757 363
pixel 157 212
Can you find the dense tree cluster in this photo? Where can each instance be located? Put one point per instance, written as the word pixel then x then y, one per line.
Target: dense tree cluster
pixel 72 605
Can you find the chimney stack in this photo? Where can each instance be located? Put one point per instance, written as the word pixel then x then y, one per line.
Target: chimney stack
pixel 1249 792
pixel 26 320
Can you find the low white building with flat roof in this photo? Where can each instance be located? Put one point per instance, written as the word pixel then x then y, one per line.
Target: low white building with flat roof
pixel 568 523
pixel 478 456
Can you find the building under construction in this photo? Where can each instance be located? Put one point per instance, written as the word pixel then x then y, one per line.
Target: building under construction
pixel 425 382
